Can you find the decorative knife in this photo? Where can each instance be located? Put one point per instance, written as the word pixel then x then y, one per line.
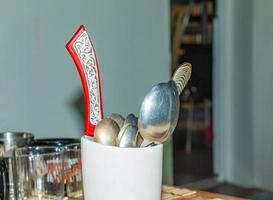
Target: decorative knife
pixel 83 53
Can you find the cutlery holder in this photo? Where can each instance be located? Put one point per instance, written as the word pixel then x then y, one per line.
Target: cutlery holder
pixel 121 173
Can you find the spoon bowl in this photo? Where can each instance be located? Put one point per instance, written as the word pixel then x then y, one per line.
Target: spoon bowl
pixel 106 132
pixel 128 136
pixel 119 119
pixel 131 119
pixel 159 110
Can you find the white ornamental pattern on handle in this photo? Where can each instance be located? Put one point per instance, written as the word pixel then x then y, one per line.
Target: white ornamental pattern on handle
pixel 86 53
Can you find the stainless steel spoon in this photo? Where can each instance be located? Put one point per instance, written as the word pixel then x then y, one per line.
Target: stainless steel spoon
pixel 159 111
pixel 131 119
pixel 106 132
pixel 127 136
pixel 119 119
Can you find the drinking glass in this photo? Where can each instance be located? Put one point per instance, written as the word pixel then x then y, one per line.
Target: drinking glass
pixel 72 171
pixel 40 173
pixel 9 141
pixel 4 184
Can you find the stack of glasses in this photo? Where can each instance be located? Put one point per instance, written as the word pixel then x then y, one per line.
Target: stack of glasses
pixel 39 169
pixel 49 172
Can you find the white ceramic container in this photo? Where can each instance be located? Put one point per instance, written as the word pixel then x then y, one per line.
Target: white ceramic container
pixel 121 173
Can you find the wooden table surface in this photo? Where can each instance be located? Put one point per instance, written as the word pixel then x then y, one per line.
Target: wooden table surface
pixel 179 193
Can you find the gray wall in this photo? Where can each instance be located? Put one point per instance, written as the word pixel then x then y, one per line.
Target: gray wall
pixel 39 85
pixel 243 92
pixel 262 69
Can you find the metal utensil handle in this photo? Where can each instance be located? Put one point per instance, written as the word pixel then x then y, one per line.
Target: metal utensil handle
pixel 181 76
pixel 83 53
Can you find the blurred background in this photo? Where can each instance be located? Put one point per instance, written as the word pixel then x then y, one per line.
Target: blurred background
pixel 224 138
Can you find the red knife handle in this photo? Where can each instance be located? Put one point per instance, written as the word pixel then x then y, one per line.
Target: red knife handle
pixel 83 53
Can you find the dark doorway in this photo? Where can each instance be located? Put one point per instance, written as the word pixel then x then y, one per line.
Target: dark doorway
pixel 192 29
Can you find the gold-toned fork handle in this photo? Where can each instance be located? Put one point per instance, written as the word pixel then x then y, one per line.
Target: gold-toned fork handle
pixel 181 76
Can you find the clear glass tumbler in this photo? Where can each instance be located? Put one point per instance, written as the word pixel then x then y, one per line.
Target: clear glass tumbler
pixel 73 171
pixel 40 173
